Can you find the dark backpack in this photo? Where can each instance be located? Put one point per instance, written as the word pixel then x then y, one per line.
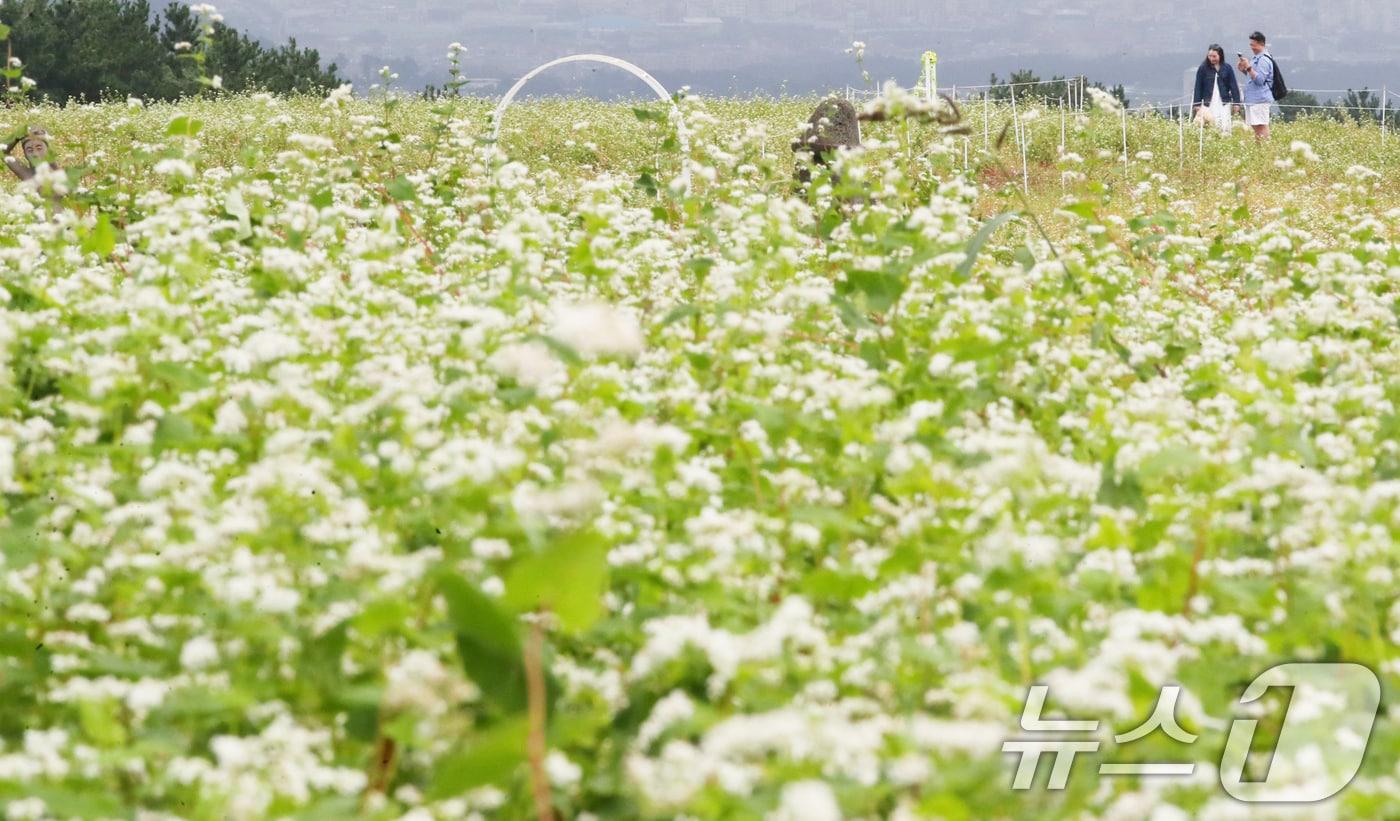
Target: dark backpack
pixel 1280 88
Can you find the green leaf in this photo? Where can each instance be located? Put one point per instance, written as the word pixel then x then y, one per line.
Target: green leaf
pixel 974 246
pixel 102 239
pixel 238 209
pixel 881 288
pixel 1080 209
pixel 560 348
pixel 179 376
pixel 830 584
pixel 200 702
pixel 678 313
pixel 828 518
pixel 1116 493
pixel 1173 460
pixel 74 175
pixel 402 190
pixel 488 642
pixel 700 266
pixel 360 695
pixel 649 115
pixel 331 808
pixel 174 430
pixel 382 616
pixel 581 259
pixel 21 535
pixel 1101 334
pixel 183 126
pixel 100 723
pixel 852 317
pixel 4 32
pixel 63 802
pixel 568 578
pixel 15 644
pixel 489 758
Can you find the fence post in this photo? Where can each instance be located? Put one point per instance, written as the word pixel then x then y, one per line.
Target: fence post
pixel 1181 138
pixel 1124 112
pixel 1062 126
pixel 1385 95
pixel 1025 166
pixel 1015 118
pixel 986 120
pixel 1020 142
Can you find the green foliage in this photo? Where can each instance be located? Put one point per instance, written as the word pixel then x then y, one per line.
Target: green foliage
pixel 1359 106
pixel 88 49
pixel 93 49
pixel 401 189
pixel 102 238
pixel 488 642
pixel 567 579
pixel 1027 87
pixel 314 418
pixel 490 756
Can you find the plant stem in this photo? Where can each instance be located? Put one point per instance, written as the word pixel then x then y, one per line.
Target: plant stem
pixel 1193 580
pixel 535 743
pixel 382 768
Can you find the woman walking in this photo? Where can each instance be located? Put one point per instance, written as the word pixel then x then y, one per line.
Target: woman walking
pixel 1216 90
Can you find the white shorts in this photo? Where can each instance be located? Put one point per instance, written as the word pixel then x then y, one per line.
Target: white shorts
pixel 1257 114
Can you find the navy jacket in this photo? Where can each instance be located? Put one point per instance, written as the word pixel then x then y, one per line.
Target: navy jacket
pixel 1229 86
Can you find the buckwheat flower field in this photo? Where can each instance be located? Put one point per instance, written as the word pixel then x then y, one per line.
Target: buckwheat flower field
pixel 355 465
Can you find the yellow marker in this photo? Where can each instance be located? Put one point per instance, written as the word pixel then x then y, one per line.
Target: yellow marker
pixel 930 74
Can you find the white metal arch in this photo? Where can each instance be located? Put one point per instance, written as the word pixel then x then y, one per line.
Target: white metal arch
pixel 634 70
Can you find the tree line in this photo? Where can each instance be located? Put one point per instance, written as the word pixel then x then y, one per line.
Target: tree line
pixel 1027 87
pixel 96 49
pixel 1362 105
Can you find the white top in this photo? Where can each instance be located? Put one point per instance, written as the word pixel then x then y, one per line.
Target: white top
pixel 1219 112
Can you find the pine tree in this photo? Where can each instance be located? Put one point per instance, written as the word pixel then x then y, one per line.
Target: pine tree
pixel 91 49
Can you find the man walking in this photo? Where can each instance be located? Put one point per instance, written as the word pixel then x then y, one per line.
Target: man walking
pixel 1258 86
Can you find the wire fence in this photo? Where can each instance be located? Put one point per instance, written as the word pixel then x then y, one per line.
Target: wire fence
pixel 998 123
pixel 1377 104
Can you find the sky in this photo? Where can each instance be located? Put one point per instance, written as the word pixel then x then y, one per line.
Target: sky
pixel 798 46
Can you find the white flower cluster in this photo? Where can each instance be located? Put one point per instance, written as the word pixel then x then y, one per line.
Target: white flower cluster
pixel 821 478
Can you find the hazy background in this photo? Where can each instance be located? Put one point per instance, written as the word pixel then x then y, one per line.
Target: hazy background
pixel 772 46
